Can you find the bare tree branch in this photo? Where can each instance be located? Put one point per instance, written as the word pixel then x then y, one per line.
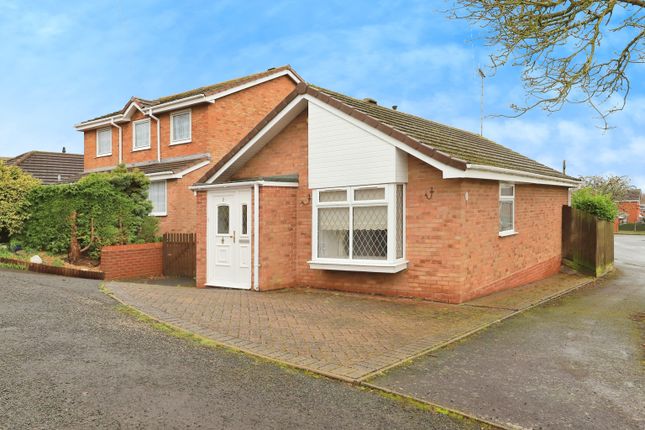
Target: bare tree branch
pixel 557 44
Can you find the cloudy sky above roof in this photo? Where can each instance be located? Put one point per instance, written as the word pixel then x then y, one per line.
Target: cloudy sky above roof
pixel 70 61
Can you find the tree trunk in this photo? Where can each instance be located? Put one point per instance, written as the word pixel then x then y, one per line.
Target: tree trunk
pixel 74 253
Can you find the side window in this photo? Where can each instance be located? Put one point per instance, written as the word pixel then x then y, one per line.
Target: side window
pixel 157 195
pixel 141 135
pixel 506 208
pixel 104 142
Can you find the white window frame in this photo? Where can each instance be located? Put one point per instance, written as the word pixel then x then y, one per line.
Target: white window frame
pixel 165 196
pixel 98 132
pixel 391 264
pixel 190 127
pixel 511 231
pixel 134 135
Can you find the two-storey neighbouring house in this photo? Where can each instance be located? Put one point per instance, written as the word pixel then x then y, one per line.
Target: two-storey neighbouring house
pixel 174 139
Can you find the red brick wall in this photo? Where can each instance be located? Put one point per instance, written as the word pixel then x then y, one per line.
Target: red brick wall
pixel 132 261
pixel 200 239
pixel 632 209
pixel 216 127
pixel 277 238
pixel 453 246
pixel 496 263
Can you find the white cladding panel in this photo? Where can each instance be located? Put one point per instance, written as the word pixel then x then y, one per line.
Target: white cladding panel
pixel 342 153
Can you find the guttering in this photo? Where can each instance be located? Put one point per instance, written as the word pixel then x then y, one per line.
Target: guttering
pixel 158 134
pixel 263 183
pixel 479 171
pixel 256 237
pixel 120 139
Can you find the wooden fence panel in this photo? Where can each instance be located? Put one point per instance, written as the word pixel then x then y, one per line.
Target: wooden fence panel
pixel 179 254
pixel 587 242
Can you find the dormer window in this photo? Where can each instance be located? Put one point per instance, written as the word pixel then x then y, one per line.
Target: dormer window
pixel 104 142
pixel 180 127
pixel 141 135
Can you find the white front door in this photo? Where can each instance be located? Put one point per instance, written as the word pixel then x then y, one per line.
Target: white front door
pixel 228 231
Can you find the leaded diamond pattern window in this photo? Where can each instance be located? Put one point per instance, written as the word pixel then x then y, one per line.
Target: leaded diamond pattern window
pixel 370 232
pixel 333 232
pixel 223 214
pixel 399 221
pixel 374 193
pixel 360 223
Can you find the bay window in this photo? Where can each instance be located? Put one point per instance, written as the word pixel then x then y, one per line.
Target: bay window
pixel 359 228
pixel 506 209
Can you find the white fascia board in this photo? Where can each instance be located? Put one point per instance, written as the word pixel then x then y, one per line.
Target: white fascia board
pixel 253 83
pixel 187 101
pixel 477 171
pixel 281 119
pixel 446 169
pixel 98 123
pixel 244 184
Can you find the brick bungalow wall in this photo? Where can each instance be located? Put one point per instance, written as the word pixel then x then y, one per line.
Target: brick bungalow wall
pixel 632 209
pixel 132 261
pixel 216 128
pixel 453 246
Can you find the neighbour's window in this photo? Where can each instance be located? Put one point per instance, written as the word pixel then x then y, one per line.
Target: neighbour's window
pixel 357 223
pixel 157 195
pixel 104 142
pixel 180 131
pixel 506 208
pixel 141 135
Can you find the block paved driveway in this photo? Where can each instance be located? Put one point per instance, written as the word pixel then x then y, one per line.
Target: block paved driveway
pixel 576 362
pixel 347 336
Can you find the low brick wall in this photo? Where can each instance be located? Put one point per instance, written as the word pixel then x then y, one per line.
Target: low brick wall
pixel 132 261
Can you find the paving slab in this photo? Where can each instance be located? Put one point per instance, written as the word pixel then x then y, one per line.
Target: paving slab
pixel 347 336
pixel 576 362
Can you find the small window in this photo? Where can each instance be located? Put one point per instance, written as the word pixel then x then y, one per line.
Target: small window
pixel 104 142
pixel 373 193
pixel 245 218
pixel 141 135
pixel 223 219
pixel 332 196
pixel 180 127
pixel 157 195
pixel 506 209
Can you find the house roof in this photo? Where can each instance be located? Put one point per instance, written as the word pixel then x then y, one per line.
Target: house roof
pixel 170 167
pixel 47 166
pixel 448 145
pixel 633 194
pixel 457 144
pixel 206 91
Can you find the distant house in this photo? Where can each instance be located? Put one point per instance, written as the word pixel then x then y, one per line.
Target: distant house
pixel 50 167
pixel 630 206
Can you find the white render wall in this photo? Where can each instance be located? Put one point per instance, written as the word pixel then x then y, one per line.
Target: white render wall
pixel 342 153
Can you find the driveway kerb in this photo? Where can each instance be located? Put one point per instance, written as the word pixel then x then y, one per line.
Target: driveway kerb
pixel 296 362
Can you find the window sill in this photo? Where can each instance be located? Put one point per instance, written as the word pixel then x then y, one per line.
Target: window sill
pixel 180 142
pixel 362 266
pixel 507 233
pixel 103 155
pixel 140 149
pixel 158 214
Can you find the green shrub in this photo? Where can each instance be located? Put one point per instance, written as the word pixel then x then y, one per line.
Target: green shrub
pixel 111 208
pixel 15 186
pixel 148 231
pixel 599 205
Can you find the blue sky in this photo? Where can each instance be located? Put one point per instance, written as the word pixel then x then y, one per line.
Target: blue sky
pixel 64 62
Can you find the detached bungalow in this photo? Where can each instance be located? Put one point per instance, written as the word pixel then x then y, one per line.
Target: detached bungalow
pixel 328 191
